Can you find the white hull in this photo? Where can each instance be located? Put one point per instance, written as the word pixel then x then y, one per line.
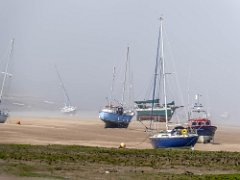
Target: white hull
pixel 68 109
pixel 205 139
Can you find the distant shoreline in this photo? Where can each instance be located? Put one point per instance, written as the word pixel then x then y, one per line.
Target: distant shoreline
pixel 90 114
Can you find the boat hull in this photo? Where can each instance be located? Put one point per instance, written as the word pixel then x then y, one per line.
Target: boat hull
pixel 3 117
pixel 205 133
pixel 115 120
pixel 205 139
pixel 174 142
pixel 69 111
pixel 155 114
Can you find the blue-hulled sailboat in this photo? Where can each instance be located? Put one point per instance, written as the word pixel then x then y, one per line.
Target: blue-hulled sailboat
pixel 175 138
pixel 117 114
pixel 179 137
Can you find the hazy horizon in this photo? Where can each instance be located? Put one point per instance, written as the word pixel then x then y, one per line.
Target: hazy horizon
pixel 85 39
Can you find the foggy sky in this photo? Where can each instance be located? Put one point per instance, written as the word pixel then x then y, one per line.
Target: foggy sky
pixel 85 39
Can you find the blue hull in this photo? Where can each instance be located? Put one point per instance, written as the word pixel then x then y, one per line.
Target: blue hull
pixel 205 130
pixel 175 142
pixel 115 120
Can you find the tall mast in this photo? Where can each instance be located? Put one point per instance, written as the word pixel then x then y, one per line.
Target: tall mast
pixel 111 90
pixel 163 71
pixel 188 96
pixel 188 104
pixel 197 97
pixel 6 69
pixel 125 76
pixel 155 75
pixel 63 87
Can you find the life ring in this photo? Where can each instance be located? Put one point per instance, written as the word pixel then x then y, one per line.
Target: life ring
pixel 184 131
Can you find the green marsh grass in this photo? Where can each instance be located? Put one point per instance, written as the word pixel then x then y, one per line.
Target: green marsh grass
pixel 78 162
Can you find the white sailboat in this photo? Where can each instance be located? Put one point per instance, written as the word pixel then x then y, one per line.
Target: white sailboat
pixel 4 114
pixel 68 108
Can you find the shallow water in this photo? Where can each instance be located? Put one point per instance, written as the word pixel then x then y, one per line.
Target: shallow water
pixel 78 114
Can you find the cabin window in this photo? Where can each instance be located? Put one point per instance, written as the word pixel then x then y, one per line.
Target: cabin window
pixel 207 123
pixel 199 123
pixel 194 123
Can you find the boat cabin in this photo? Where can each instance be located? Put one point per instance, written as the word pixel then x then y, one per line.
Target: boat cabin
pixel 199 122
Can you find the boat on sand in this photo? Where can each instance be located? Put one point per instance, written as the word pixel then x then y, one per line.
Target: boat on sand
pixel 3 113
pixel 178 137
pixel 200 121
pixel 117 114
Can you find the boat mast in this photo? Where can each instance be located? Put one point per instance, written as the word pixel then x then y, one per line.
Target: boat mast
pixel 188 97
pixel 197 98
pixel 155 76
pixel 68 103
pixel 163 72
pixel 125 76
pixel 6 69
pixel 188 104
pixel 111 90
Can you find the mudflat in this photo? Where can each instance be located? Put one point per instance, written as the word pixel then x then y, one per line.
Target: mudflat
pixel 91 132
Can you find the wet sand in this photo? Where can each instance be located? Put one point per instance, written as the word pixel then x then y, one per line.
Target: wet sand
pixel 91 132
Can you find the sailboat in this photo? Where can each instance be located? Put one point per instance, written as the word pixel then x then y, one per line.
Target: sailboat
pixel 157 113
pixel 199 120
pixel 117 115
pixel 152 109
pixel 3 114
pixel 68 108
pixel 179 137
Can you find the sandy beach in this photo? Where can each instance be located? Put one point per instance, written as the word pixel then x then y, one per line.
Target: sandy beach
pixel 91 132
